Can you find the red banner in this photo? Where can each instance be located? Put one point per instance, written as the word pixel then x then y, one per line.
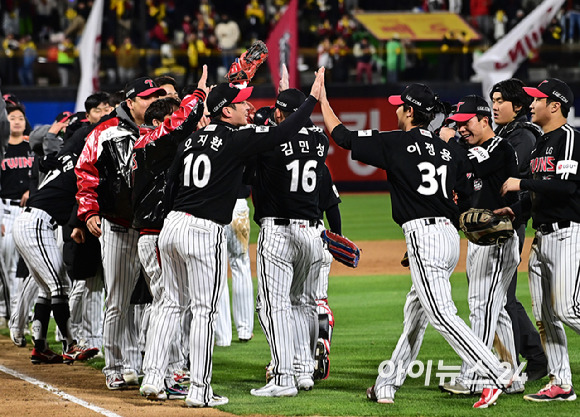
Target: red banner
pixel 357 114
pixel 283 46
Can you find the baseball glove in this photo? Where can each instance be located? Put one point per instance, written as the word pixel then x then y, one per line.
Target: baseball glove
pixel 484 227
pixel 244 68
pixel 341 248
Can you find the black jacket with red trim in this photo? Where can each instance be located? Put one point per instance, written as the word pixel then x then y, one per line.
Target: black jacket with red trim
pixel 104 169
pixel 152 156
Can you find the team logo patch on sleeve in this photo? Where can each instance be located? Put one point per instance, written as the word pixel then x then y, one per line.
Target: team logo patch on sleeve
pixel 478 153
pixel 367 132
pixel 567 167
pixel 262 129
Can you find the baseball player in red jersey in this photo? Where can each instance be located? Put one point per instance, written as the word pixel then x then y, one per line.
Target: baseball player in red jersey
pixel 423 172
pixel 490 268
pixel 207 174
pixel 104 198
pixel 152 156
pixel 554 197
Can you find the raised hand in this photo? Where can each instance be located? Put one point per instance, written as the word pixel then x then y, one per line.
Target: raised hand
pixel 318 84
pixel 201 84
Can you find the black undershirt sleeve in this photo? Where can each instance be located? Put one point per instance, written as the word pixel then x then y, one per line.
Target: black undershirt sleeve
pixel 342 136
pixel 552 186
pixel 334 220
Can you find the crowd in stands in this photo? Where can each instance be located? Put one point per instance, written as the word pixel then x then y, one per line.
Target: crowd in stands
pixel 152 37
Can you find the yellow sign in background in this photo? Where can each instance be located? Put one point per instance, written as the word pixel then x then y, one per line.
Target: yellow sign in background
pixel 414 26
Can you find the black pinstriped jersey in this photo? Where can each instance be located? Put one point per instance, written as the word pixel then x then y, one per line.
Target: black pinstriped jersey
pixel 56 192
pixel 491 163
pixel 328 193
pixel 422 170
pixel 288 178
pixel 556 159
pixel 206 175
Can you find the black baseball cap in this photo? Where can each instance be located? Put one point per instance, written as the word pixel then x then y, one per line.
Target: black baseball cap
pixel 63 116
pixel 225 94
pixel 289 100
pixel 263 115
pixel 142 87
pixel 470 106
pixel 555 89
pixel 417 95
pixel 11 99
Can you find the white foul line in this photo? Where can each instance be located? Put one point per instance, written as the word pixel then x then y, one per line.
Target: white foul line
pixel 58 392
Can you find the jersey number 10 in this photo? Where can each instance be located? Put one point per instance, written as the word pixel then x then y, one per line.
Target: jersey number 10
pixel 192 170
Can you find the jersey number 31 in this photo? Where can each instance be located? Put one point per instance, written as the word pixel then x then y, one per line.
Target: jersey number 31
pixel 429 176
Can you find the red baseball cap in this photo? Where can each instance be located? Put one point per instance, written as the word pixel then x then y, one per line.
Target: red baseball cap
pixel 142 87
pixel 225 94
pixel 419 96
pixel 555 89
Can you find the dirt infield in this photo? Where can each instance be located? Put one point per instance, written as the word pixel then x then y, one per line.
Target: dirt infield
pixel 18 397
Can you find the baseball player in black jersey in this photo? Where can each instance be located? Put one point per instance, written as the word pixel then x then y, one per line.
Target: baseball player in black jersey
pixel 204 181
pixel 423 172
pixel 35 239
pixel 327 204
pixel 490 160
pixel 286 195
pixel 15 174
pixel 555 205
pixel 510 104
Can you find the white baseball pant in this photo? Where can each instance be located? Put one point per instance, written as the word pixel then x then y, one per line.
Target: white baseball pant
pixel 121 268
pixel 148 254
pixel 490 270
pixel 553 277
pixel 242 287
pixel 194 264
pixel 288 264
pixel 433 250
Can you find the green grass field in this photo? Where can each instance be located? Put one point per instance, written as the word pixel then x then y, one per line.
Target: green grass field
pixel 369 314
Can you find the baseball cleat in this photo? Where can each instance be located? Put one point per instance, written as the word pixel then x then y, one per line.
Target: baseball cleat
pixel 457 388
pixel 116 381
pixel 46 356
pixel 78 353
pixel 372 395
pixel 177 392
pixel 151 393
pixel 246 339
pixel 131 378
pixel 322 361
pixel 488 397
pixel 18 338
pixel 553 392
pixel 181 377
pixel 216 400
pixel 305 382
pixel 273 390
